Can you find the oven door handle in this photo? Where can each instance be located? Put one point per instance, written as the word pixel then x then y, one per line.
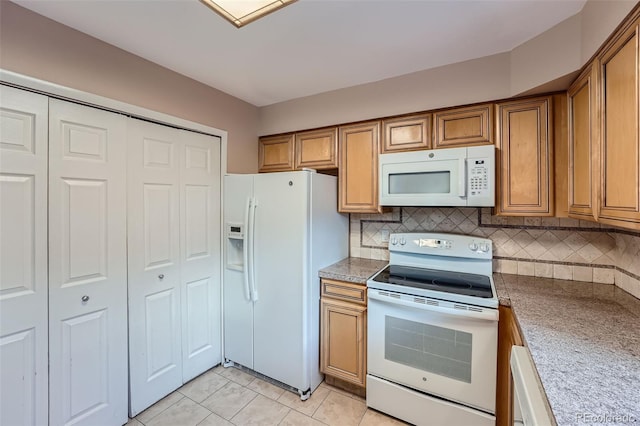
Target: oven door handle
pixel 485 314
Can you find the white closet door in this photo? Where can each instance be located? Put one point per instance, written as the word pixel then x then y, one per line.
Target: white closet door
pixel 23 257
pixel 87 266
pixel 155 354
pixel 200 253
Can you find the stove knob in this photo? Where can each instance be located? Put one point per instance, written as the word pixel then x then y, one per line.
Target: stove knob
pixel 394 241
pixel 473 247
pixel 484 247
pixel 403 241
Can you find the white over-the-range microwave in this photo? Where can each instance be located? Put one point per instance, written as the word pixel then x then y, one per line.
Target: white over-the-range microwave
pixel 439 177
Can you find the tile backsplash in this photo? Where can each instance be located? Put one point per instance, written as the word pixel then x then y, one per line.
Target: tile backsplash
pixel 560 248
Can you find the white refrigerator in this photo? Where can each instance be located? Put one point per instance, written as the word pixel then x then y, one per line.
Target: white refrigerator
pixel 280 229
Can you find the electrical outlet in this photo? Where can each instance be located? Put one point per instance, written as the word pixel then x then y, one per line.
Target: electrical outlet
pixel 384 235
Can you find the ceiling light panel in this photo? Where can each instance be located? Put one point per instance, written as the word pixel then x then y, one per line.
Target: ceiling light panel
pixel 241 12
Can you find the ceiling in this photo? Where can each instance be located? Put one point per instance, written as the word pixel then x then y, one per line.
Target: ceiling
pixel 311 46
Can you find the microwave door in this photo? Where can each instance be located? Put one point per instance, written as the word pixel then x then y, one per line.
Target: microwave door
pixel 434 183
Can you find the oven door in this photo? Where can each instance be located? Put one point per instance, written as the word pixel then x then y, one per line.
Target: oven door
pixel 423 183
pixel 440 348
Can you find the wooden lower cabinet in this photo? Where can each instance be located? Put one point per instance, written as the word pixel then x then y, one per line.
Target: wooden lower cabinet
pixel 508 336
pixel 343 332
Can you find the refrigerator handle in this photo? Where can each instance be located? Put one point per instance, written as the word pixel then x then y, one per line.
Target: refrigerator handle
pixel 245 250
pixel 254 289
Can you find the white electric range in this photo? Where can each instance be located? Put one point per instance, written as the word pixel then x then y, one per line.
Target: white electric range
pixel 433 331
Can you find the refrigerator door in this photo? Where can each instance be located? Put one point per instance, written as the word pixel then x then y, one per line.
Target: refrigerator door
pixel 280 263
pixel 237 308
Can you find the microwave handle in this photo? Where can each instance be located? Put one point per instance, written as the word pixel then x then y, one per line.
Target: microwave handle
pixel 462 182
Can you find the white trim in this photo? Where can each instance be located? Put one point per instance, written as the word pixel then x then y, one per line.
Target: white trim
pixel 91 99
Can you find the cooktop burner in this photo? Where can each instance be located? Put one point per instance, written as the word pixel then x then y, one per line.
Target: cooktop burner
pixel 431 279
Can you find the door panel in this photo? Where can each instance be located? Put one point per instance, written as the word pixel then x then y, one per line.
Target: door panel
pixel 158 211
pixel 23 257
pixel 160 317
pixel 238 308
pixel 200 253
pixel 84 231
pixel 85 334
pixel 281 245
pixel 87 265
pixel 154 263
pixel 18 386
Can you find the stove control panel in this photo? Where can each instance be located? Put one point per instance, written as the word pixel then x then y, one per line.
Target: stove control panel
pixel 437 244
pixel 423 242
pixel 479 246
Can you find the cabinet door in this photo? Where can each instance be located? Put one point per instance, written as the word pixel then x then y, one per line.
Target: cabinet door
pixel 358 170
pixel 508 336
pixel 275 153
pixel 525 160
pixel 23 258
pixel 406 133
pixel 466 126
pixel 317 149
pixel 344 342
pixel 582 146
pixel 620 161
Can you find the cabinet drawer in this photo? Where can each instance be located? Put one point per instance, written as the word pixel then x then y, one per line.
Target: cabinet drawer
pixel 355 293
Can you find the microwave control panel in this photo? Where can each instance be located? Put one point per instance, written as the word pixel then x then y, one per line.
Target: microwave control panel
pixel 478 176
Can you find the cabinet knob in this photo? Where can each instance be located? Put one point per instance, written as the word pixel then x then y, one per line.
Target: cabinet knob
pixel 85 299
pixel 161 276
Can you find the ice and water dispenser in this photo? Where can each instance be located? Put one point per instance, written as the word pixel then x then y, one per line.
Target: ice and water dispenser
pixel 235 243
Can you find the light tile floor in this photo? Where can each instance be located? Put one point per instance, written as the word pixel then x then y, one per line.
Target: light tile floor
pixel 229 396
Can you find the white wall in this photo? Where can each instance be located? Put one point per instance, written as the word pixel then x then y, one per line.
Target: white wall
pixel 465 82
pixel 546 57
pixel 548 62
pixel 35 46
pixel 599 19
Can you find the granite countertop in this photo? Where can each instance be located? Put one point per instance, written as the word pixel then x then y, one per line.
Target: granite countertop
pixel 584 339
pixel 352 269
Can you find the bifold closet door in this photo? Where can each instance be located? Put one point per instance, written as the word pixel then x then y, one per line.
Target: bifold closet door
pixel 155 351
pixel 87 266
pixel 200 211
pixel 174 259
pixel 23 258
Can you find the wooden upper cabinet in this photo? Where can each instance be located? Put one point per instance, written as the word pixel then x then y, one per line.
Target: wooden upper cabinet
pixel 408 133
pixel 358 168
pixel 525 161
pixel 466 126
pixel 275 153
pixel 583 145
pixel 620 151
pixel 317 149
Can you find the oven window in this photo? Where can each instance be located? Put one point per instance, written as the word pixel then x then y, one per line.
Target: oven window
pixel 420 183
pixel 438 350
